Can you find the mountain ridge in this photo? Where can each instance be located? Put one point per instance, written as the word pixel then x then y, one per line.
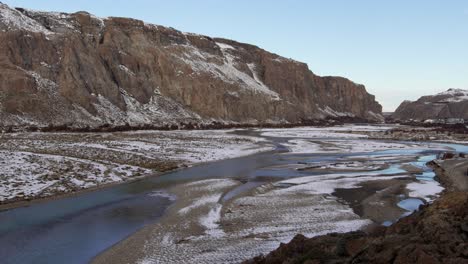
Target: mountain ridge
pixel 452 103
pixel 81 70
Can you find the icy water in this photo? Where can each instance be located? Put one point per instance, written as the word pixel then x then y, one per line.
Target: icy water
pixel 410 205
pixel 75 229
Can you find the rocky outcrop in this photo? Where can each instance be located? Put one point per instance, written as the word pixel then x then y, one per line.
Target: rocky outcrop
pixel 452 103
pixel 80 70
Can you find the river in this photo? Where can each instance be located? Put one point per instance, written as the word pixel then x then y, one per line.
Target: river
pixel 77 228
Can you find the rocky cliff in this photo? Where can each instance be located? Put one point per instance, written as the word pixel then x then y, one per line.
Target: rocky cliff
pixel 452 103
pixel 81 70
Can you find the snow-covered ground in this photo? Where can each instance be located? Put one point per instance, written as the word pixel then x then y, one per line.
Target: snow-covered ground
pixel 328 183
pixel 308 132
pixel 43 164
pixel 352 146
pixel 210 224
pixel 235 231
pixel 346 165
pixel 345 131
pixel 426 190
pixel 351 140
pixel 258 222
pixel 29 175
pixel 346 146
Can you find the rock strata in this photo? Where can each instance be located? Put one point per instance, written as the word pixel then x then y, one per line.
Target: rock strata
pixel 84 71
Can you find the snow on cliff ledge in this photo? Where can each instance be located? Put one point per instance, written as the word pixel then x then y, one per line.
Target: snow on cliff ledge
pixel 456 95
pixel 15 20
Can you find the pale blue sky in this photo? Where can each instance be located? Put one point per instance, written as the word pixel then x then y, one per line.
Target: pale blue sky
pixel 398 49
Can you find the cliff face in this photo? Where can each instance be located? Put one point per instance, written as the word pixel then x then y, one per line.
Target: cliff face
pixel 81 70
pixel 452 103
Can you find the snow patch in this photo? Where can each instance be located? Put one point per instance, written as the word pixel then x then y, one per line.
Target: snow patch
pixel 308 132
pixel 328 183
pixel 202 201
pixel 456 95
pixel 211 222
pixel 163 194
pixel 211 184
pixel 15 20
pixel 224 46
pixel 330 112
pixel 426 190
pixel 127 70
pixel 201 62
pixel 44 84
pixel 158 110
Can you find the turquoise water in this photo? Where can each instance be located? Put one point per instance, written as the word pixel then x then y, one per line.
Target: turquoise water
pixel 410 205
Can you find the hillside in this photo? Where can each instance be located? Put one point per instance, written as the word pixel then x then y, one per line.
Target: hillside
pixel 83 71
pixel 452 103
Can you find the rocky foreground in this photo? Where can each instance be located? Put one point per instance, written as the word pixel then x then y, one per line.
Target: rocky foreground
pixel 437 233
pixel 78 70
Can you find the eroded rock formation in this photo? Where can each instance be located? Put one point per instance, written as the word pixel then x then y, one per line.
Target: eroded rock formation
pixel 80 70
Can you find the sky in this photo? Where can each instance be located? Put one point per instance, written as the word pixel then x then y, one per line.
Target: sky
pixel 400 50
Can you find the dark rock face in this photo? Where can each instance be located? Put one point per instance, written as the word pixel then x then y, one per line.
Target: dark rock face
pixel 81 70
pixel 452 103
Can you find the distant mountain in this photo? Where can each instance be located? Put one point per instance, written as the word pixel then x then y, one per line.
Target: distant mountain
pixel 81 70
pixel 452 103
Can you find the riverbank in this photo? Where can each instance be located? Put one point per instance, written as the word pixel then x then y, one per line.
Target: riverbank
pixel 201 125
pixel 41 166
pixel 447 134
pixel 437 233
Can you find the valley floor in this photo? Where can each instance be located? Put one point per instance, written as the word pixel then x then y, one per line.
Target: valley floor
pixel 437 233
pixel 39 165
pixel 319 180
pixel 212 221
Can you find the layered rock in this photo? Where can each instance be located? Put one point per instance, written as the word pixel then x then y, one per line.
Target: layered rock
pixel 452 103
pixel 80 70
